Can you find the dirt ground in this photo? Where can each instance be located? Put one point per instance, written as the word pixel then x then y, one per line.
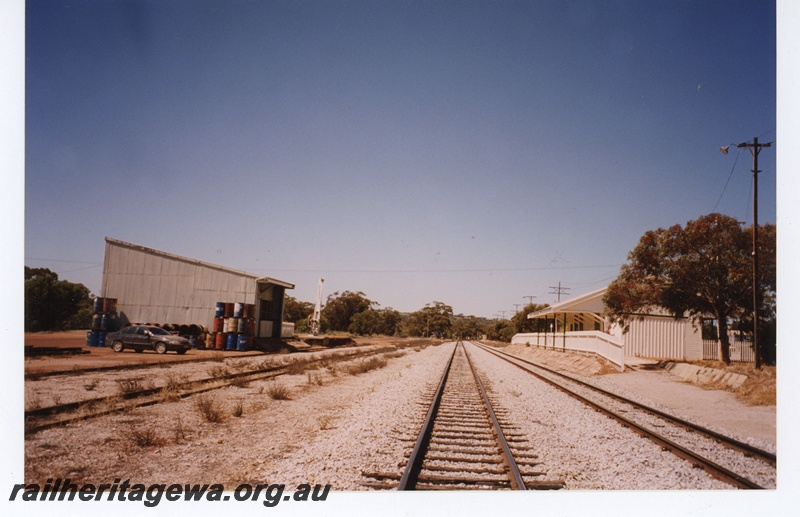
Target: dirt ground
pixel 716 407
pixel 705 404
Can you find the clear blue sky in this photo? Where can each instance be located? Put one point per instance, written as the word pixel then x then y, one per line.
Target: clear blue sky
pixel 466 152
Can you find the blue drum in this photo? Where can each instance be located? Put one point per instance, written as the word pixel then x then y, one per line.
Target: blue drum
pixel 232 338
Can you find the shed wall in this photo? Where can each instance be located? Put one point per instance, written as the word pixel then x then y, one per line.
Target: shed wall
pixel 153 288
pixel 657 337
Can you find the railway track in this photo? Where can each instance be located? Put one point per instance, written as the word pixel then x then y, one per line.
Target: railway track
pixel 719 455
pixel 465 441
pixel 62 414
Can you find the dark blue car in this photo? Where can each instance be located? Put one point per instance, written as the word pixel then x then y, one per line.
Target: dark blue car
pixel 143 337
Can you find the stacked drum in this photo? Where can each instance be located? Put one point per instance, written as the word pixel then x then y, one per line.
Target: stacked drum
pixel 233 328
pixel 104 320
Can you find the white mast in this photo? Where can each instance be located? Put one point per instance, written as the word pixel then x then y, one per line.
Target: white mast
pixel 317 309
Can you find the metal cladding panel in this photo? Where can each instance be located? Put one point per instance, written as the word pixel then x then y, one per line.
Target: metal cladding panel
pixel 134 262
pixel 152 264
pixel 655 337
pixel 693 337
pixel 170 268
pixel 157 287
pixel 169 290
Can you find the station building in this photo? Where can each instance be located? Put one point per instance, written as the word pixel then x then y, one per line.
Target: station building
pixel 579 324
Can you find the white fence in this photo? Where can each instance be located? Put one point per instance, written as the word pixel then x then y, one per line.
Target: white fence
pixel 592 342
pixel 740 350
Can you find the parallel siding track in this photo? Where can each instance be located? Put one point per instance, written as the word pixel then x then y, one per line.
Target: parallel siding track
pixel 62 414
pixel 684 439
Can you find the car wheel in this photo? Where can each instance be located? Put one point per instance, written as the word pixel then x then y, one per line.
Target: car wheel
pixel 181 351
pixel 161 348
pixel 117 346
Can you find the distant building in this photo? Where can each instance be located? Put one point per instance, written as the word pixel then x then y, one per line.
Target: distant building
pixel 153 286
pixel 579 324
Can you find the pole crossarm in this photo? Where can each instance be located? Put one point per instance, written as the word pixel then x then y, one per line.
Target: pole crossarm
pixel 755 148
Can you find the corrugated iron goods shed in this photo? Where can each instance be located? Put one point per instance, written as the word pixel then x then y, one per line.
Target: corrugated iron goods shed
pixel 159 287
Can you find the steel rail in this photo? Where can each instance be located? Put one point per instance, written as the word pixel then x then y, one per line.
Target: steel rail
pixel 709 466
pixel 411 474
pixel 139 398
pixel 517 482
pixel 727 441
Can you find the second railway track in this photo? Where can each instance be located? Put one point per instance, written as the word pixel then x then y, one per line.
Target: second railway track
pixel 720 456
pixel 60 414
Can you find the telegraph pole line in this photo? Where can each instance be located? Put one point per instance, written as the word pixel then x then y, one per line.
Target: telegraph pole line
pixel 530 299
pixel 755 149
pixel 559 291
pixel 516 307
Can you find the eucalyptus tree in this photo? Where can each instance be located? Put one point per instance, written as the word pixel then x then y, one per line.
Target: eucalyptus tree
pixel 699 270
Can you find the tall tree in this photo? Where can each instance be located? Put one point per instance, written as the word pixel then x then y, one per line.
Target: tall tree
pixel 468 327
pixel 430 320
pixel 294 310
pixel 340 308
pixel 384 322
pixel 702 269
pixel 522 323
pixel 53 304
pixel 297 312
pixel 501 330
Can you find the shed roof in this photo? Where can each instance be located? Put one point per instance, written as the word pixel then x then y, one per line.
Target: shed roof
pixel 144 249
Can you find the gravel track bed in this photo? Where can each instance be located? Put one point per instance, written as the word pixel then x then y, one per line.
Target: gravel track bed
pixel 82 387
pixel 753 469
pixel 584 448
pixel 333 425
pixel 365 435
pixel 606 385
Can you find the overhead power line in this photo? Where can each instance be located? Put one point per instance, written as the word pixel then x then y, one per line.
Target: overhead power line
pixel 559 291
pixel 467 270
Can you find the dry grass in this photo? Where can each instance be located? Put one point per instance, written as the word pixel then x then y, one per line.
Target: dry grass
pixel 238 409
pixel 240 382
pixel 172 386
pixel 758 390
pixel 296 368
pixel 91 385
pixel 325 422
pixel 143 436
pixel 218 370
pixel 278 391
pixel 32 401
pixel 315 378
pixel 209 408
pixel 174 380
pixel 180 431
pixel 365 365
pixel 169 394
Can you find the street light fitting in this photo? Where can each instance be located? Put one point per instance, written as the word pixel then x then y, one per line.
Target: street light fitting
pixel 756 146
pixel 724 150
